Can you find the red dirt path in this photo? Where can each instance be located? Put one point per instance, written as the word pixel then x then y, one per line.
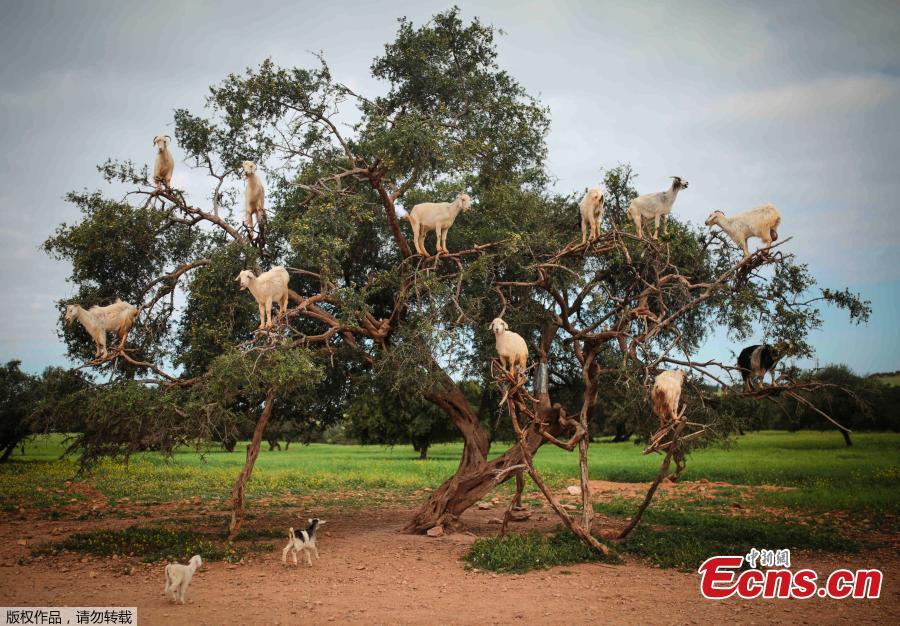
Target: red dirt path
pixel 371 574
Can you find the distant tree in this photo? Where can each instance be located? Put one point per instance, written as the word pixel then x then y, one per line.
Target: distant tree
pixel 58 403
pixel 382 415
pixel 17 398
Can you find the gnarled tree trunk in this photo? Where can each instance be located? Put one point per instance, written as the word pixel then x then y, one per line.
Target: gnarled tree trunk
pixel 475 476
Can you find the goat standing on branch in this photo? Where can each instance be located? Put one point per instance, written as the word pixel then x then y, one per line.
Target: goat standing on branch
pixel 164 164
pixel 437 217
pixel 655 205
pixel 268 287
pixel 254 198
pixel 761 222
pixel 591 213
pixel 99 320
pixel 755 362
pixel 666 395
pixel 511 348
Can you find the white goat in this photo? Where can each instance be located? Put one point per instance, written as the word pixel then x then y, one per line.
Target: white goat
pixel 656 205
pixel 268 287
pixel 591 213
pixel 178 577
pixel 438 217
pixel 254 197
pixel 761 222
pixel 666 395
pixel 165 164
pixel 511 348
pixel 99 320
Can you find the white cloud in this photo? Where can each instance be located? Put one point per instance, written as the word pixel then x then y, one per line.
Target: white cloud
pixel 827 96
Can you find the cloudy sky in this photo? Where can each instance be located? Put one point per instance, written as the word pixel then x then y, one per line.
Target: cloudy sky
pixel 795 103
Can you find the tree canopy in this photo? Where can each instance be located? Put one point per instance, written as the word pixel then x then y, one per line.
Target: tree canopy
pixel 338 165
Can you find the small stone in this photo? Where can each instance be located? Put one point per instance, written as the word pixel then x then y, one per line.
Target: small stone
pixel 22 542
pixel 436 531
pixel 570 507
pixel 484 506
pixel 573 490
pixel 495 520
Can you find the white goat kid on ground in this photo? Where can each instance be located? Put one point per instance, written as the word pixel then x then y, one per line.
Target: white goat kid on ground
pixel 666 395
pixel 178 577
pixel 304 541
pixel 761 222
pixel 118 317
pixel 268 287
pixel 511 348
pixel 254 196
pixel 655 205
pixel 591 213
pixel 437 217
pixel 164 164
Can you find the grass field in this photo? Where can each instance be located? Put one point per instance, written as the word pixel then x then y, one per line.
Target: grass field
pixel 861 479
pixel 890 379
pixel 849 492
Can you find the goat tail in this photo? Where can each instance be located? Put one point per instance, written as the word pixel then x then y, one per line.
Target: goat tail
pixel 168 580
pixel 291 533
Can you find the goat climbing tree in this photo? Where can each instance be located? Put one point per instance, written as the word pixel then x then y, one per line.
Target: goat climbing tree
pixel 618 308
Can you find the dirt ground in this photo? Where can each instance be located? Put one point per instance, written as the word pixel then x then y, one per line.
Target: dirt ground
pixel 370 573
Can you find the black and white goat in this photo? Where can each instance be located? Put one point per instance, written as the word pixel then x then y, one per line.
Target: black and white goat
pixel 304 541
pixel 755 362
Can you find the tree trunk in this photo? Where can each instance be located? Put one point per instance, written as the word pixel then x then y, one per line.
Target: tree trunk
pixel 475 476
pixel 237 492
pixel 423 453
pixel 7 452
pixel 588 399
pixel 846 434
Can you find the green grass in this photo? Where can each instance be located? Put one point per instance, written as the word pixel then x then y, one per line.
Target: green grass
pixel 518 552
pixel 151 544
pixel 666 538
pixel 890 379
pixel 859 479
pixel 685 538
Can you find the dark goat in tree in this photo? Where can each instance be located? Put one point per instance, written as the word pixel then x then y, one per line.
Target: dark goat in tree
pixel 757 361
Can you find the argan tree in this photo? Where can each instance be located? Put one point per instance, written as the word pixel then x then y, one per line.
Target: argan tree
pixel 338 166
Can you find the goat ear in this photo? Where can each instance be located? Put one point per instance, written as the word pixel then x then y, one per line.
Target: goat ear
pixel 309 519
